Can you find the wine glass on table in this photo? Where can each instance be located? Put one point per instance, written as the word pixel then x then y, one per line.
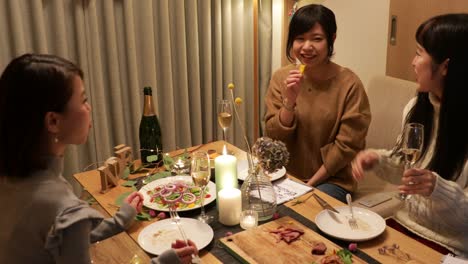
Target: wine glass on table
pixel 224 116
pixel 200 171
pixel 413 141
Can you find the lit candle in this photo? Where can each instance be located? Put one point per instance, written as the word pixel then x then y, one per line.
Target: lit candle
pixel 180 163
pixel 248 219
pixel 225 173
pixel 230 206
pixel 181 166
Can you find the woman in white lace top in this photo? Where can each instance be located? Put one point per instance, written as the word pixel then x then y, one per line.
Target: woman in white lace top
pixel 438 183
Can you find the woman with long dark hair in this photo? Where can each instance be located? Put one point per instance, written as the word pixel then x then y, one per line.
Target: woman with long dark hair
pixel 438 182
pixel 43 109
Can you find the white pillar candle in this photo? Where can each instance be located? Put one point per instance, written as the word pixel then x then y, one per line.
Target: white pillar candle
pixel 230 206
pixel 225 173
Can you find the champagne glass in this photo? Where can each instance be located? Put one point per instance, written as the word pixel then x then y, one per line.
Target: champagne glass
pixel 413 141
pixel 224 116
pixel 200 171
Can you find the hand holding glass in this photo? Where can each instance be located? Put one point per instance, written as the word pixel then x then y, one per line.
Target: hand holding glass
pixel 200 171
pixel 413 141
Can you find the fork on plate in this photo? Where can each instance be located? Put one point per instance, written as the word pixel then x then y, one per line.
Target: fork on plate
pixel 351 221
pixel 176 219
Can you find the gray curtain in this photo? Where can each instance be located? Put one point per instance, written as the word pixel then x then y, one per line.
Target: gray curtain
pixel 188 51
pixel 264 54
pixel 56 27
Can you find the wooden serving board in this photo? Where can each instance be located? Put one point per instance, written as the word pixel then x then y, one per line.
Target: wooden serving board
pixel 257 245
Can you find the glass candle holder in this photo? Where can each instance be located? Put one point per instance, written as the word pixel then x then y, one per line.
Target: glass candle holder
pixel 248 219
pixel 181 166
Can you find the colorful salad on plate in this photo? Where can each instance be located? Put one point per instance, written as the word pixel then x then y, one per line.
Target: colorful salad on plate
pixel 182 194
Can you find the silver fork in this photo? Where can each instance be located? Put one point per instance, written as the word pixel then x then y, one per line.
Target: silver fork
pixel 176 219
pixel 351 221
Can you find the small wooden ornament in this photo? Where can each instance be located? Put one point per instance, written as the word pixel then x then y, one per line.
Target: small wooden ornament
pixel 113 168
pixel 108 180
pixel 124 154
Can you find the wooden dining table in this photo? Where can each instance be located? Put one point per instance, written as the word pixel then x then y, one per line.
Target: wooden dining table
pixel 123 247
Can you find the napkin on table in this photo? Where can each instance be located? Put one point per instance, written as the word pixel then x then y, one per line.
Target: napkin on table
pixel 287 189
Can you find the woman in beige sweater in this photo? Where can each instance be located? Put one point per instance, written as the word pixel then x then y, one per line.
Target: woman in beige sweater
pixel 437 209
pixel 321 113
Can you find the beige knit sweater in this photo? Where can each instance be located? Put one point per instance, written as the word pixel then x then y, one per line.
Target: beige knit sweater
pixel 330 124
pixel 443 216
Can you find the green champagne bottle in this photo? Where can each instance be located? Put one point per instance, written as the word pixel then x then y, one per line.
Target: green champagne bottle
pixel 150 133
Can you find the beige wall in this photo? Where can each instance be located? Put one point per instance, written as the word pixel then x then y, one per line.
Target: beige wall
pixel 361 43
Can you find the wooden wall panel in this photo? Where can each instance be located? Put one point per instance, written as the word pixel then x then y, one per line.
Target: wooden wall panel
pixel 409 15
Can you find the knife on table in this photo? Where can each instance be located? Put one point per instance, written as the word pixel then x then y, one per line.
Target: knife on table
pixel 324 203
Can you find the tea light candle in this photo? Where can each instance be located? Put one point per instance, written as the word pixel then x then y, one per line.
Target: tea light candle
pixel 179 163
pixel 248 219
pixel 230 206
pixel 225 173
pixel 181 166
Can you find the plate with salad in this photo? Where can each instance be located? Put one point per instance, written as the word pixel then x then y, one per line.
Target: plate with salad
pixel 179 190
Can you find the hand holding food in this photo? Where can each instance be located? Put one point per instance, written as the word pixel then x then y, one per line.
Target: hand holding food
pixel 135 200
pixel 292 88
pixel 301 66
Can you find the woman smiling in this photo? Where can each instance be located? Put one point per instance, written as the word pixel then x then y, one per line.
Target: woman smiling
pixel 322 113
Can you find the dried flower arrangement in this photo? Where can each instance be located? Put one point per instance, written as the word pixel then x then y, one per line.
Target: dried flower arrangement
pixel 257 191
pixel 272 154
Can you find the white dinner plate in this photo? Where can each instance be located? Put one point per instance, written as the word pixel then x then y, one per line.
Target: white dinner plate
pixel 370 224
pixel 157 237
pixel 211 189
pixel 243 171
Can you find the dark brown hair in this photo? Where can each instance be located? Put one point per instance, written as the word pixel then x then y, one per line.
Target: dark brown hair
pixel 30 86
pixel 305 18
pixel 446 37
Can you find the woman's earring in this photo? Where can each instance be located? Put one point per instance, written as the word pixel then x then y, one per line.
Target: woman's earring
pixel 56 139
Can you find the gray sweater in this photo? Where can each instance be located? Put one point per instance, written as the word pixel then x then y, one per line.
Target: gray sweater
pixel 44 222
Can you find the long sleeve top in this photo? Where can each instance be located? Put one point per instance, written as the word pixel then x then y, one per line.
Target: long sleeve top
pixel 329 128
pixel 44 222
pixel 441 217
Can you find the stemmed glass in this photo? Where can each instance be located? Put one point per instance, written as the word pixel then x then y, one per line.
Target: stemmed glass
pixel 413 141
pixel 200 171
pixel 224 116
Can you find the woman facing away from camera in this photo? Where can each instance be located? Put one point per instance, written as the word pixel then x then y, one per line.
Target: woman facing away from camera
pixel 437 209
pixel 44 108
pixel 322 114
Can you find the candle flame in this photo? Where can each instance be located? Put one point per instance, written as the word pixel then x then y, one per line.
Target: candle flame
pixel 224 150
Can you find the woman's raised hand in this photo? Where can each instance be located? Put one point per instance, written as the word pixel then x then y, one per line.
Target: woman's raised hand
pixel 135 200
pixel 292 88
pixel 365 160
